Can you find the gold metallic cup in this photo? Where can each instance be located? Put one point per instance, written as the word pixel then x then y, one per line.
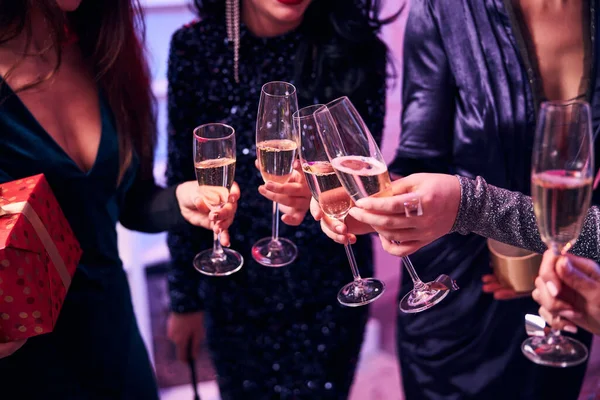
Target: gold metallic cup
pixel 514 267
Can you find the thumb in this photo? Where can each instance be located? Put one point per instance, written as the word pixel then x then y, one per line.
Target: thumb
pixel 578 274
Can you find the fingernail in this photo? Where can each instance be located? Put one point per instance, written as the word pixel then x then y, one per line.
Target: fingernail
pixel 552 288
pixel 339 229
pixel 569 314
pixel 215 216
pixel 197 200
pixel 359 202
pixel 269 185
pixel 570 328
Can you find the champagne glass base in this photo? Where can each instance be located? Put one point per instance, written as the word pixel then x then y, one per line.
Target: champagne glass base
pixel 418 300
pixel 361 292
pixel 555 351
pixel 207 263
pixel 274 254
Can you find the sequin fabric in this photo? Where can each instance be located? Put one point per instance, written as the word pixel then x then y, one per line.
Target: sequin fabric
pixel 508 217
pixel 274 333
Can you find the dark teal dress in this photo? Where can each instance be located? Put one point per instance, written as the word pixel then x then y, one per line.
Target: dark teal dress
pixel 95 351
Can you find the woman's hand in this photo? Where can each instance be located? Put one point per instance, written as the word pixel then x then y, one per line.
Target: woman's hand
pixel 576 299
pixel 7 349
pixel 293 196
pixel 493 286
pixel 341 232
pixel 402 235
pixel 195 211
pixel 186 330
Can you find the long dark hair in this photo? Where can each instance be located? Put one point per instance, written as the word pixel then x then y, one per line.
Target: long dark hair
pixel 110 36
pixel 340 49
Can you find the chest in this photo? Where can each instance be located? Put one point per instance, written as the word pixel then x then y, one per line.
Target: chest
pixel 557 32
pixel 65 106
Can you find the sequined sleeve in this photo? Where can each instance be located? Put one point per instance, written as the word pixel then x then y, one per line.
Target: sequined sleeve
pixel 508 217
pixel 185 111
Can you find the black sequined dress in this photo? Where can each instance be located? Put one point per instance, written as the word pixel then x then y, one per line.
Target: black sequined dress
pixel 273 333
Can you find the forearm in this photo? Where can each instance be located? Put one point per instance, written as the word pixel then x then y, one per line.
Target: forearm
pixel 150 208
pixel 508 217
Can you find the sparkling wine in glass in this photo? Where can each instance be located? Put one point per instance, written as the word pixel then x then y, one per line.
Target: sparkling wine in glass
pixel 561 180
pixel 334 200
pixel 360 167
pixel 276 149
pixel 214 159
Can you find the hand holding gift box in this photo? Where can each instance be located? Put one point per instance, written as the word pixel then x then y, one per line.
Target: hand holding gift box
pixel 38 257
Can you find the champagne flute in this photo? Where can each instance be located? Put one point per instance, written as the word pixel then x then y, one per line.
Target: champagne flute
pixel 276 147
pixel 214 160
pixel 358 162
pixel 561 179
pixel 335 202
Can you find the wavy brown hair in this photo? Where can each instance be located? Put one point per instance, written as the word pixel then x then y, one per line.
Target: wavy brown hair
pixel 110 34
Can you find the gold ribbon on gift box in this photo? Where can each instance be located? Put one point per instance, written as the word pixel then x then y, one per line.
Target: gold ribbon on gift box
pixel 24 208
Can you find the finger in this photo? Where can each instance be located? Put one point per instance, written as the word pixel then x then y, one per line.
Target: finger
pixel 294 219
pixel 292 216
pixel 401 235
pixel 234 193
pixel 548 272
pixel 556 322
pixel 298 166
pixel 385 221
pixel 289 188
pixel 224 238
pixel 222 214
pixel 489 278
pixel 335 236
pixel 257 164
pixel 315 210
pixel 284 199
pixel 508 294
pixel 542 295
pixel 579 274
pixel 399 249
pixel 492 287
pixel 388 205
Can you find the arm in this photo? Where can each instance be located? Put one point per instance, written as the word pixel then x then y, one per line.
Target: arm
pixel 428 98
pixel 150 208
pixel 508 217
pixel 185 112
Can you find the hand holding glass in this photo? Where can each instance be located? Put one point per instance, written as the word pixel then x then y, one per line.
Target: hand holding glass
pixel 358 162
pixel 214 159
pixel 276 147
pixel 561 182
pixel 333 199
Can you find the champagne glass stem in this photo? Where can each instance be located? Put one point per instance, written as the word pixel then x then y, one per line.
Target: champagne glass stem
pixel 417 282
pixel 275 228
pixel 218 252
pixel 352 262
pixel 554 334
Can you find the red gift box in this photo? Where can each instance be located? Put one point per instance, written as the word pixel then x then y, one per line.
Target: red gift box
pixel 38 257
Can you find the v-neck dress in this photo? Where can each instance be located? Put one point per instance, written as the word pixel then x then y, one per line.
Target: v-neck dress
pixel 470 98
pixel 95 351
